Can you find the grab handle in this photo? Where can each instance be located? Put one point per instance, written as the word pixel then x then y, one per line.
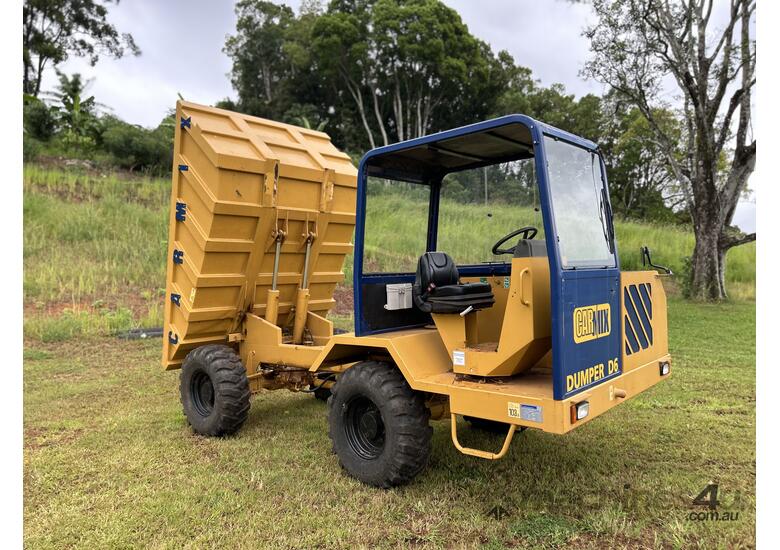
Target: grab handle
pixel 522 287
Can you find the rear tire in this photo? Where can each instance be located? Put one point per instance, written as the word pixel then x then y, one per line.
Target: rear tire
pixel 214 390
pixel 379 425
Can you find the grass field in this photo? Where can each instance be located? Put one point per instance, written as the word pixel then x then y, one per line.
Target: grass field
pixel 110 462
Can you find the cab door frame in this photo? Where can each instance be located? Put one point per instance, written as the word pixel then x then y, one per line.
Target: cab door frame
pixel 572 288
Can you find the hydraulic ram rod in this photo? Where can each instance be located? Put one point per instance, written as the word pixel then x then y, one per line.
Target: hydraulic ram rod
pixel 272 302
pixel 302 301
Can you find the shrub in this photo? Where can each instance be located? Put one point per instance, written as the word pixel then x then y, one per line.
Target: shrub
pixel 40 120
pixel 31 148
pixel 134 147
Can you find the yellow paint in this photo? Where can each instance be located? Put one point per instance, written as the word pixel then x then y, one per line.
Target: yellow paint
pixel 510 337
pixel 246 180
pixel 591 322
pixel 476 452
pixel 660 346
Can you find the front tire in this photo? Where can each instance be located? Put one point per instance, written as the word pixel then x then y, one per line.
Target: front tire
pixel 214 390
pixel 379 425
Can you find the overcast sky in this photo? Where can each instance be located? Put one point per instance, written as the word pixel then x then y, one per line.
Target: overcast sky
pixel 181 43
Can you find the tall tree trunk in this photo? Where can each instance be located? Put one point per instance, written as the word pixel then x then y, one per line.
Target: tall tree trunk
pixel 707 263
pixel 354 91
pixel 378 114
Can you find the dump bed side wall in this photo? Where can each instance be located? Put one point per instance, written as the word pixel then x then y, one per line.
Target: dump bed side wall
pixel 236 180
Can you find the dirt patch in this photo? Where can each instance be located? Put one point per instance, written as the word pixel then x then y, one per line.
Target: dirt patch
pixel 86 167
pixel 132 300
pixel 345 304
pixel 37 438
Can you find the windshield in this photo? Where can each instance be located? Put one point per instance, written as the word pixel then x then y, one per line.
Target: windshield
pixel 481 205
pixel 579 203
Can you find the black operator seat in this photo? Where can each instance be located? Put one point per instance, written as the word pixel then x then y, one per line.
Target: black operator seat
pixel 437 287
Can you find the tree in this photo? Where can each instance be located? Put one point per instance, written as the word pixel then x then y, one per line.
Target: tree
pixel 134 147
pixel 261 68
pixel 641 184
pixel 54 29
pixel 636 44
pixel 408 67
pixel 77 113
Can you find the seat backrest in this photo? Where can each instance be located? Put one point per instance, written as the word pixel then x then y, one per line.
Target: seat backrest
pixel 434 269
pixel 437 269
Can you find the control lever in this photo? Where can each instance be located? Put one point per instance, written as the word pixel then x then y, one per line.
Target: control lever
pixel 466 311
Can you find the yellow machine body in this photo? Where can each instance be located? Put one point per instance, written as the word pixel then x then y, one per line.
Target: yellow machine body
pixel 262 218
pixel 424 358
pixel 241 184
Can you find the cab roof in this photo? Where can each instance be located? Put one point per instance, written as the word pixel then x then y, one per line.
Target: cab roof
pixel 429 158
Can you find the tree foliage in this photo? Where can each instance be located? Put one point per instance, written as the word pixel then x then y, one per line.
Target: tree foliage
pixel 52 30
pixel 636 45
pixel 372 72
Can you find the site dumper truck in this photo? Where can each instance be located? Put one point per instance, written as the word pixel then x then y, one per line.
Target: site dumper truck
pixel 486 284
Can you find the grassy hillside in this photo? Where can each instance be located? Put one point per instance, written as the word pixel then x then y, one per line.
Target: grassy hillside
pixel 94 248
pixel 391 218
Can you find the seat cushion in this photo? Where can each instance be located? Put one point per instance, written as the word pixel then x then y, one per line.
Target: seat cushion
pixel 460 290
pixel 436 288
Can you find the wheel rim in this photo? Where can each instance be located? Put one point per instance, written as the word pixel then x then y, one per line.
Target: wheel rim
pixel 364 427
pixel 202 393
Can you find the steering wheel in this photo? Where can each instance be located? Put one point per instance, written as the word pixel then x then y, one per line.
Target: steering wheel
pixel 528 232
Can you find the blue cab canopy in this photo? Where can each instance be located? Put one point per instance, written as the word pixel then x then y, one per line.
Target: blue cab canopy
pixel 426 161
pixel 494 141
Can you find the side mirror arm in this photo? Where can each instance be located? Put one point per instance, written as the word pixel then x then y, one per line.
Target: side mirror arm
pixel 647 260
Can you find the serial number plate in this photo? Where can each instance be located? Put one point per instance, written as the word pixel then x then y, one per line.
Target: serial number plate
pixel 531 413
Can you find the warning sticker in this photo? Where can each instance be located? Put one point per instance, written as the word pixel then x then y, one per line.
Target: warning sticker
pixel 459 358
pixel 531 413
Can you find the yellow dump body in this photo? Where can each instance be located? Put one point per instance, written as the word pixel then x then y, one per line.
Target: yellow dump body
pixel 238 182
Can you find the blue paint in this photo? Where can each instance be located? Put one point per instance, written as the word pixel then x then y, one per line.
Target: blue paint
pixel 173 338
pixel 183 167
pixel 181 211
pixel 176 299
pixel 643 290
pixel 643 316
pixel 186 122
pixel 178 256
pixel 632 346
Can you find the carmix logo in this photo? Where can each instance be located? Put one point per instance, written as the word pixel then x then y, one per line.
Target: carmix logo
pixel 591 322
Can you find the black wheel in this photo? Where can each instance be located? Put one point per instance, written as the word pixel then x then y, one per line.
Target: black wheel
pixel 379 425
pixel 491 426
pixel 214 390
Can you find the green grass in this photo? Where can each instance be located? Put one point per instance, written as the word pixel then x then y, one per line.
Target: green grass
pixel 110 462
